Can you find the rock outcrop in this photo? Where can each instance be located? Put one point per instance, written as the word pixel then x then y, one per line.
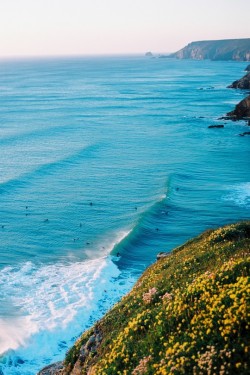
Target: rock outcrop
pixel 228 49
pixel 247 68
pixel 245 133
pixel 241 111
pixel 54 369
pixel 242 83
pixel 162 254
pixel 215 126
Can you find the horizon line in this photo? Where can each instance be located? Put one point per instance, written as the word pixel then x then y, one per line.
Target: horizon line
pixel 75 55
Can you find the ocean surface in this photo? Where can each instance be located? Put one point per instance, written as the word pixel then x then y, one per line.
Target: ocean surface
pixel 105 162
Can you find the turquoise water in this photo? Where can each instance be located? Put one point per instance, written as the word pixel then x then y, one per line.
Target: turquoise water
pixel 105 162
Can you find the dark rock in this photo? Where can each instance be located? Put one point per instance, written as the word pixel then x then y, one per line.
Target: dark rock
pixel 225 118
pixel 54 369
pixel 86 349
pixel 241 111
pixel 245 133
pixel 206 88
pixel 215 126
pixel 247 68
pixel 242 83
pixel 162 255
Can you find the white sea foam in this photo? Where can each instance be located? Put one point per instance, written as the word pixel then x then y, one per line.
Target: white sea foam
pixel 120 236
pixel 106 245
pixel 55 303
pixel 239 194
pixel 14 332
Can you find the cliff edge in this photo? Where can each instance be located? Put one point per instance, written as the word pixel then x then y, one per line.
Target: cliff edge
pixel 241 111
pixel 242 83
pixel 187 314
pixel 227 49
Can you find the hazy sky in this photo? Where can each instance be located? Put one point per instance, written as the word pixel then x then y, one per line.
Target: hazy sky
pixel 62 27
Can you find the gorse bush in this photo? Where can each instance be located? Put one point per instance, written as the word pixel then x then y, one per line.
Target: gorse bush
pixel 187 314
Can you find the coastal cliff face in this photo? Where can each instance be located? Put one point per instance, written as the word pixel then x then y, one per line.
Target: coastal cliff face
pixel 242 110
pixel 187 314
pixel 228 49
pixel 242 83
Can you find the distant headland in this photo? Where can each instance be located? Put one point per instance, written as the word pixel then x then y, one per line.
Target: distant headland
pixel 227 49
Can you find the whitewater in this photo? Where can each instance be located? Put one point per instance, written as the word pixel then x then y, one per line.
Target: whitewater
pixel 105 162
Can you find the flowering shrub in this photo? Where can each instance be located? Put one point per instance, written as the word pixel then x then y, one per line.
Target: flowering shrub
pixel 188 314
pixel 167 296
pixel 142 367
pixel 148 297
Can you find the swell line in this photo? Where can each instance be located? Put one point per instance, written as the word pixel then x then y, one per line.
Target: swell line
pixel 24 179
pixel 138 244
pixel 35 134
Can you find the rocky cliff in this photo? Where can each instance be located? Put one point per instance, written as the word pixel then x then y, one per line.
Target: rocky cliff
pixel 187 314
pixel 228 49
pixel 241 111
pixel 242 83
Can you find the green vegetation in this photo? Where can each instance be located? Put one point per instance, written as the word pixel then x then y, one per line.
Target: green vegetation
pixel 187 314
pixel 225 49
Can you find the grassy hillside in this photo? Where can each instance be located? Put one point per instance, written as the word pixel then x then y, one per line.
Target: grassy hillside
pixel 227 49
pixel 187 314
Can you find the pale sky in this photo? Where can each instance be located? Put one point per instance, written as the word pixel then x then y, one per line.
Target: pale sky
pixel 80 27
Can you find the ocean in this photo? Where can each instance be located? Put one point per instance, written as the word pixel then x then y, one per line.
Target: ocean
pixel 105 162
